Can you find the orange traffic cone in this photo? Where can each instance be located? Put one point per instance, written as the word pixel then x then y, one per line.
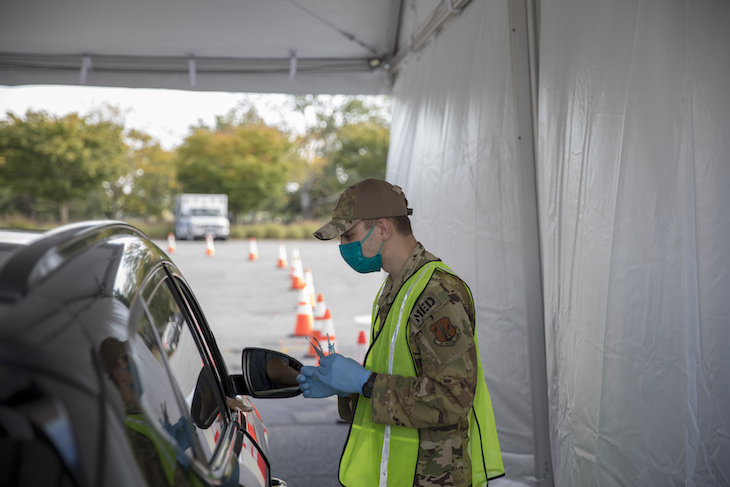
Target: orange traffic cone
pixel 282 257
pixel 297 280
pixel 254 252
pixel 328 332
pixel 320 307
pixel 294 258
pixel 210 246
pixel 303 327
pixel 309 285
pixel 362 348
pixel 171 245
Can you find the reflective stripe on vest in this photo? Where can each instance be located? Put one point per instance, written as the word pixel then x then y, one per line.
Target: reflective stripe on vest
pixel 385 455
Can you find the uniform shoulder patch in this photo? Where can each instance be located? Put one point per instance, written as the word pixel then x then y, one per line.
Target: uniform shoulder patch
pixel 445 333
pixel 424 306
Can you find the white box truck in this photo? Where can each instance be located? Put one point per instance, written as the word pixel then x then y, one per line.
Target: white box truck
pixel 197 215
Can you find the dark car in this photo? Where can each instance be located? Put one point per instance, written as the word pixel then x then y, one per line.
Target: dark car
pixel 110 375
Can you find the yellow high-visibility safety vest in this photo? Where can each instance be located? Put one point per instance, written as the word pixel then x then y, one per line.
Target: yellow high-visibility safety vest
pixel 384 455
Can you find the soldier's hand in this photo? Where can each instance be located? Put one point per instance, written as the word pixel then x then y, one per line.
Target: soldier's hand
pixel 341 373
pixel 314 388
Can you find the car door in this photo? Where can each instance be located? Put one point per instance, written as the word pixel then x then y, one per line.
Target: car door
pixel 254 467
pixel 182 407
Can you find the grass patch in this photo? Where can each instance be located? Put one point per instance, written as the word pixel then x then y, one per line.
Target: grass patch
pixel 298 231
pixel 277 231
pixel 154 230
pixel 20 223
pixel 160 230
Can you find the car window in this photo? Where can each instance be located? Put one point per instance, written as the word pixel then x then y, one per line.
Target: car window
pixel 191 371
pixel 156 392
pixel 158 430
pixel 208 345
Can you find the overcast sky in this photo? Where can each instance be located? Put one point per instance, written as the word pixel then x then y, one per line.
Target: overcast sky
pixel 164 114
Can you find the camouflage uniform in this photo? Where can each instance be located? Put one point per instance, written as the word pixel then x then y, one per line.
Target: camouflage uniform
pixel 439 399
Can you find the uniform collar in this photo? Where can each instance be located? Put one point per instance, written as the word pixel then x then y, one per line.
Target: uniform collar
pixel 419 256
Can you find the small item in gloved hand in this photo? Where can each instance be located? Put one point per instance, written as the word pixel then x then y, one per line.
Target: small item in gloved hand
pixel 317 347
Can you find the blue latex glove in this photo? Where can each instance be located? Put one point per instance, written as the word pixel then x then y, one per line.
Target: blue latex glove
pixel 341 373
pixel 314 388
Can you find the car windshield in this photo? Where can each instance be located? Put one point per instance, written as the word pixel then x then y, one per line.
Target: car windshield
pixel 205 212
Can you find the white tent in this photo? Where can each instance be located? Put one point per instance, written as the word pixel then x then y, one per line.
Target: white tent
pixel 566 158
pixel 288 46
pixel 585 147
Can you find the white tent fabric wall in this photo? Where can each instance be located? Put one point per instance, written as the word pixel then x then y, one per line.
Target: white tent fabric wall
pixel 633 166
pixel 452 149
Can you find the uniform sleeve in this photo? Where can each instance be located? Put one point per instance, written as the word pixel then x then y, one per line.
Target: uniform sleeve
pixel 442 345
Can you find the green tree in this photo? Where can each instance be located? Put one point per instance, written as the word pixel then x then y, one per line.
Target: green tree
pixel 361 151
pixel 145 185
pixel 241 157
pixel 347 142
pixel 48 159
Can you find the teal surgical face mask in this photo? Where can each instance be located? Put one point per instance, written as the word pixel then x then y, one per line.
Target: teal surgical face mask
pixel 352 253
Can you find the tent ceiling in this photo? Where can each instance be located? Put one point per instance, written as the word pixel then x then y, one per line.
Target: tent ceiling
pixel 294 46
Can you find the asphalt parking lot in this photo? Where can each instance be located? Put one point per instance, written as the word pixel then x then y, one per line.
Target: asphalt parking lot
pixel 251 304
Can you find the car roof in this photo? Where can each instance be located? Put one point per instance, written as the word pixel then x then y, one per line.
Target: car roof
pixel 99 262
pixel 11 239
pixel 31 256
pixel 19 236
pixel 62 292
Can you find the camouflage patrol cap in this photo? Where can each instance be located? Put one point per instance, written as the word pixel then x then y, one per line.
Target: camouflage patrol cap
pixel 370 198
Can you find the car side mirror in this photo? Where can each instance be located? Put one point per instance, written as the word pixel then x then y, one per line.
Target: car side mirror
pixel 267 374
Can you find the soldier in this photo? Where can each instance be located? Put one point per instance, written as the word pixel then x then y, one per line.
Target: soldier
pixel 421 395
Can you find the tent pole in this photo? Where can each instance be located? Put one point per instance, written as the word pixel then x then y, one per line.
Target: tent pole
pixel 395 22
pixel 428 28
pixel 524 26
